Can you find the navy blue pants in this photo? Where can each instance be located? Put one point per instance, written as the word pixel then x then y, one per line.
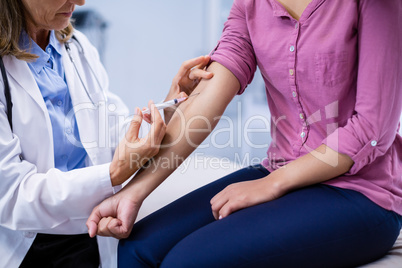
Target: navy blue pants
pixel 316 226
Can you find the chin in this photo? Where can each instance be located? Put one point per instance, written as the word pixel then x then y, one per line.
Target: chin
pixel 60 25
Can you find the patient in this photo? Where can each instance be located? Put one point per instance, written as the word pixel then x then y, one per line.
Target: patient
pixel 329 194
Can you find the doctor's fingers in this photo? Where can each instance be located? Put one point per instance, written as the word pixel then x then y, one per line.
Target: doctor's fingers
pixel 135 125
pixel 154 139
pixel 158 127
pixel 198 74
pixel 188 65
pixel 182 76
pixel 146 117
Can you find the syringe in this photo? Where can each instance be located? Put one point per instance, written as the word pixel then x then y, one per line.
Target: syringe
pixel 167 104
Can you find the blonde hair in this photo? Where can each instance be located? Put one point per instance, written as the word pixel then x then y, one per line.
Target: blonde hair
pixel 12 22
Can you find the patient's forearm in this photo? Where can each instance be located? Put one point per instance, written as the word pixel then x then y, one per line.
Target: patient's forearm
pixel 321 164
pixel 191 124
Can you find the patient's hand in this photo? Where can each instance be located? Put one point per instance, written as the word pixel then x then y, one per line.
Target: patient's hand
pixel 115 216
pixel 243 195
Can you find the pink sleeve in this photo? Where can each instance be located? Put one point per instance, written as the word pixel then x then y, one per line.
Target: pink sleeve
pixel 234 50
pixel 373 127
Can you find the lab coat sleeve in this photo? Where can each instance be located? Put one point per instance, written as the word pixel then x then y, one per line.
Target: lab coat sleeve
pixel 373 128
pixel 52 202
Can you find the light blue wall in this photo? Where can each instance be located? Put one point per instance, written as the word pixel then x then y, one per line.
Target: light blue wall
pixel 146 43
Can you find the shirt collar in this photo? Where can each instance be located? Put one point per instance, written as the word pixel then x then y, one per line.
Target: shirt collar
pixel 280 11
pixel 54 47
pixel 56 44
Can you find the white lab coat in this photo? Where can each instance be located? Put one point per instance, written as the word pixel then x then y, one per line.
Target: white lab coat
pixel 34 196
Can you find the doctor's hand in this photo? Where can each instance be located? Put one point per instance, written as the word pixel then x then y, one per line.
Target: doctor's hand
pixel 187 78
pixel 189 75
pixel 132 152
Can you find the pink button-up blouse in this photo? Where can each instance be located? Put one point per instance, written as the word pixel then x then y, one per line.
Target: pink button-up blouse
pixel 334 77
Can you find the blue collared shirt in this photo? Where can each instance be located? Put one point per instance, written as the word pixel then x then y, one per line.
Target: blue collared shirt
pixel 49 74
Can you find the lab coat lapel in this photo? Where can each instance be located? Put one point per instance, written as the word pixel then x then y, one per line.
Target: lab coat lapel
pixel 77 90
pixel 28 116
pixel 83 108
pixel 21 73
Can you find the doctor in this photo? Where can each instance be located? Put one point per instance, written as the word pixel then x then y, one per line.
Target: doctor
pixel 56 152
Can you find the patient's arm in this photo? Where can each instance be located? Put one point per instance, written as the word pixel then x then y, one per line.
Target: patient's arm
pixel 200 113
pixel 116 215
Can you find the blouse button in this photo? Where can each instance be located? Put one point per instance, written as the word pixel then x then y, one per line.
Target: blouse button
pixel 294 94
pixel 374 143
pixel 291 72
pixel 292 49
pixel 303 134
